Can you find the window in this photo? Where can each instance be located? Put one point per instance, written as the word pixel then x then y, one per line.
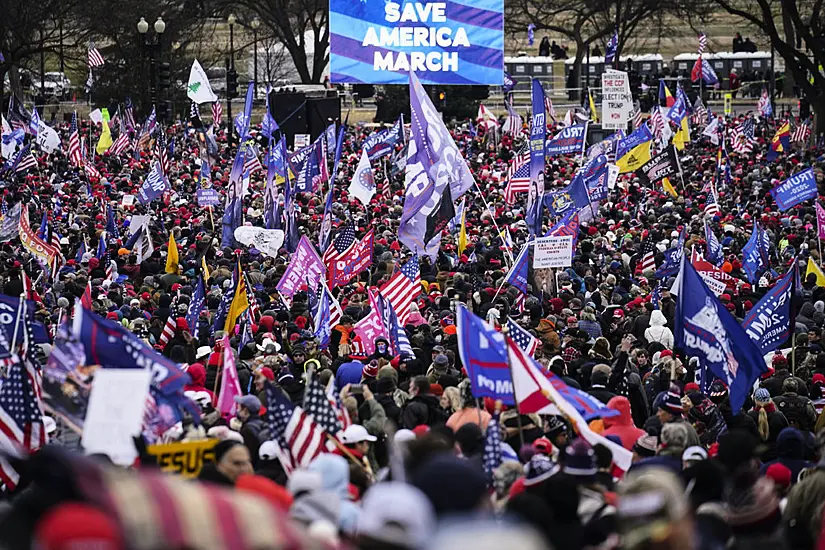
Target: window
pixel 718 65
pixel 645 66
pixel 737 64
pixel 537 69
pixel 592 68
pixel 519 68
pixel 757 63
pixel 682 66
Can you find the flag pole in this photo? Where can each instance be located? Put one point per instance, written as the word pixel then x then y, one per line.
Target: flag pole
pixel 505 331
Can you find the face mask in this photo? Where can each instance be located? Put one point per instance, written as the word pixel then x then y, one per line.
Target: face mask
pixel 382 348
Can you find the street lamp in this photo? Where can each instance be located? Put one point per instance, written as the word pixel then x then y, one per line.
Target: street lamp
pixel 151 49
pixel 255 23
pixel 231 19
pixel 160 26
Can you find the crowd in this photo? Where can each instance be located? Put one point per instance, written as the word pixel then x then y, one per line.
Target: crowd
pixel 408 467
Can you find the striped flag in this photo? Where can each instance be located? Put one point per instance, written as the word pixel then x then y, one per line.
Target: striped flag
pixel 217 113
pixel 21 417
pixel 703 43
pixel 320 408
pixel 711 204
pixel 128 114
pixel 638 118
pixel 24 160
pixel 169 327
pixel 95 59
pixel 403 288
pixel 300 437
pixel 700 112
pixel 742 137
pixel 162 152
pixel 802 132
pixel 491 459
pixel 648 260
pixel 518 176
pixel 524 339
pixel 514 122
pixel 252 163
pixel 254 308
pixel 120 145
pixel 338 406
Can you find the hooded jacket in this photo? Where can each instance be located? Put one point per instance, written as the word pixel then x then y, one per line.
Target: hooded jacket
pixel 622 424
pixel 658 331
pixel 197 373
pixel 790 450
pixel 334 472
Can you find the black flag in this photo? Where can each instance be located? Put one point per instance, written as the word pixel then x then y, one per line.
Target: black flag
pixel 441 215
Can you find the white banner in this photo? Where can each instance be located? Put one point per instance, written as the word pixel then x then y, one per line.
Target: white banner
pixel 553 252
pixel 267 241
pixel 198 89
pixel 617 103
pixel 47 138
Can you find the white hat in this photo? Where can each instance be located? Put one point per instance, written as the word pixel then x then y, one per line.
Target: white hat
pixel 203 351
pixel 268 450
pixel 694 453
pixel 356 433
pixel 49 424
pixel 268 342
pixel 397 513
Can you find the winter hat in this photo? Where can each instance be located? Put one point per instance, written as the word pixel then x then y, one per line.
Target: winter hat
pixel 672 402
pixel 539 469
pixel 761 395
pixel 73 525
pixel 397 514
pixel 651 500
pixel 555 426
pixel 780 474
pixel 370 370
pixel 718 391
pixel 452 485
pixel 754 508
pixel 579 459
pixel 646 445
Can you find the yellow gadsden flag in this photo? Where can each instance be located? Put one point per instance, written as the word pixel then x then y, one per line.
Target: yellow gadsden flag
pixel 815 269
pixel 462 234
pixel 105 140
pixel 240 303
pixel 594 115
pixel 172 255
pixel 635 158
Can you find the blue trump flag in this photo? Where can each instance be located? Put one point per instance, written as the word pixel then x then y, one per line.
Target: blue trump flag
pixel 755 254
pixel 243 119
pixel 569 140
pixel 381 144
pixel 538 132
pixel 673 257
pixel 769 322
pixel 483 353
pixel 112 346
pixel 154 185
pixel 796 189
pixel 518 273
pixel 509 83
pixel 193 313
pixel 610 50
pixel 714 248
pixel 705 329
pixel 640 135
pixel 326 221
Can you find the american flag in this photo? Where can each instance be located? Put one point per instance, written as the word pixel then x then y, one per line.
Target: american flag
pixel 549 110
pixel 91 171
pixel 742 137
pixel 524 339
pixel 403 288
pixel 19 117
pixel 703 43
pixel 347 257
pixel 254 308
pixel 217 113
pixel 658 123
pixel 318 406
pixel 120 145
pixel 300 437
pixel 170 326
pixel 637 116
pixel 801 132
pixel 342 245
pixel 25 160
pixel 129 114
pixel 648 260
pixel 335 401
pixel 514 122
pixel 251 162
pixel 161 151
pixel 518 176
pixel 21 417
pixel 711 204
pixel 95 59
pixel 491 459
pixel 700 112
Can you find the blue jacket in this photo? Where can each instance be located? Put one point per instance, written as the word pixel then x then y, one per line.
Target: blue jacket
pixel 348 373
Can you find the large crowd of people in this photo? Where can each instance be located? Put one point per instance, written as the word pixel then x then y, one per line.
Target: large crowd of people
pixel 407 470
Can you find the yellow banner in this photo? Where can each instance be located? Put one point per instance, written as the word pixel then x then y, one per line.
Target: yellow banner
pixel 185 459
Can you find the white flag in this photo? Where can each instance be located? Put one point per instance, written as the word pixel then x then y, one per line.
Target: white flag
pixel 47 138
pixel 363 182
pixel 712 130
pixel 144 246
pixel 96 116
pixel 198 89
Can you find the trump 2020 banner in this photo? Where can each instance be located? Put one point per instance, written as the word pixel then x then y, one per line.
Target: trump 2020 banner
pixel 456 42
pixel 796 189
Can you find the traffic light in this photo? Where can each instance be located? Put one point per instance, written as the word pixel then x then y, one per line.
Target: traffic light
pixel 440 98
pixel 231 83
pixel 164 76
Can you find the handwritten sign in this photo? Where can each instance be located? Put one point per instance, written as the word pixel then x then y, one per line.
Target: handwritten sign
pixel 617 103
pixel 553 252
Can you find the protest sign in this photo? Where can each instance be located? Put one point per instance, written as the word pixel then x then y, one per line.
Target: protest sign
pixel 302 140
pixel 617 103
pixel 208 197
pixel 186 459
pixel 442 42
pixel 553 252
pixel 115 413
pixel 128 200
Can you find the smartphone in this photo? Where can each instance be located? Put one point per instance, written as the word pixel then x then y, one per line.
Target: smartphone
pixel 356 389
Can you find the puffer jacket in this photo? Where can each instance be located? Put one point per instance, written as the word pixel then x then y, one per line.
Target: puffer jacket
pixel 622 424
pixel 334 472
pixel 658 331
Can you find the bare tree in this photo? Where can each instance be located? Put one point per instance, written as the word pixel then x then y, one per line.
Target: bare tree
pixel 796 29
pixel 298 24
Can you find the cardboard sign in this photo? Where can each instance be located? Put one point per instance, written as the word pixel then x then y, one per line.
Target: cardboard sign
pixel 553 252
pixel 617 103
pixel 128 200
pixel 115 413
pixel 301 140
pixel 186 459
pixel 208 197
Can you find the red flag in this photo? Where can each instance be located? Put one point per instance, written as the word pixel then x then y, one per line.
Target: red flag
pixel 86 300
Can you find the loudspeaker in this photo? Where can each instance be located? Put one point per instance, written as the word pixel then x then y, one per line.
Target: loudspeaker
pixel 320 113
pixel 290 113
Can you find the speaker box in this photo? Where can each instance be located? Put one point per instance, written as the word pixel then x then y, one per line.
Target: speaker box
pixel 290 113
